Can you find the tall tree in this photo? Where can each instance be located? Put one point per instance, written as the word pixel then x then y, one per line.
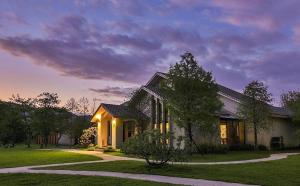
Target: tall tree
pixel 83 106
pixel 62 122
pixel 73 107
pixel 255 107
pixel 291 101
pixel 11 126
pixel 25 110
pixel 82 122
pixel 45 115
pixel 192 98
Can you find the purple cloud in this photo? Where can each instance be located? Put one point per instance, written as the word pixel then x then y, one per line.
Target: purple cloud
pixel 113 91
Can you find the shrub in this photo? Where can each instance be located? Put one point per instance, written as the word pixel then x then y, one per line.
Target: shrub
pixel 212 149
pixel 91 147
pixel 152 146
pixel 88 136
pixel 241 147
pixel 262 147
pixel 109 149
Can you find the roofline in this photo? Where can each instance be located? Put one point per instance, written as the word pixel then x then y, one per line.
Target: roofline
pixel 156 74
pixel 151 92
pixel 101 105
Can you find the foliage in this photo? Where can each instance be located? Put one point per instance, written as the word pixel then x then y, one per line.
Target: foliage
pixel 291 101
pixel 25 110
pixel 88 136
pixel 213 149
pixel 11 125
pixel 255 109
pixel 241 147
pixel 45 117
pixel 262 148
pixel 151 145
pixel 192 98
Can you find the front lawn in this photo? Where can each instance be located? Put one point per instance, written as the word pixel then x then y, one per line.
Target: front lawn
pixel 281 172
pixel 230 156
pixel 22 156
pixel 57 180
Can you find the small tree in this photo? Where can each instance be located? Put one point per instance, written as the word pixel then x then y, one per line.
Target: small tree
pixel 25 108
pixel 148 145
pixel 62 122
pixel 255 107
pixel 11 126
pixel 291 101
pixel 45 115
pixel 192 98
pixel 73 107
pixel 82 121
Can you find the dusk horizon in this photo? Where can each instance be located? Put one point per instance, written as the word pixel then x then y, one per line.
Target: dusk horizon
pixel 105 49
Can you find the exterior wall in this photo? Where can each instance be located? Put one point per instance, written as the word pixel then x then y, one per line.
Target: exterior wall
pixel 278 127
pixel 229 104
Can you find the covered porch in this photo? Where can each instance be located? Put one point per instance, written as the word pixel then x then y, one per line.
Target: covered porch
pixel 115 124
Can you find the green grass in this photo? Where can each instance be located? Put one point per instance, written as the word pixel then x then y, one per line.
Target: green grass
pixel 57 180
pixel 22 156
pixel 230 156
pixel 281 172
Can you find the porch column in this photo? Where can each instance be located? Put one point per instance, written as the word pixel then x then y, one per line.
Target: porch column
pixel 99 136
pixel 163 119
pixel 117 133
pixel 156 113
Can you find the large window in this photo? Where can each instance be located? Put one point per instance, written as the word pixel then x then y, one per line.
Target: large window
pixel 223 132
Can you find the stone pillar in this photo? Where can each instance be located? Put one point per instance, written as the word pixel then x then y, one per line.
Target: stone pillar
pixel 99 136
pixel 117 133
pixel 163 119
pixel 156 113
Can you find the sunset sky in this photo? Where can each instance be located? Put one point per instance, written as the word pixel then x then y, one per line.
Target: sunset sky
pixel 104 48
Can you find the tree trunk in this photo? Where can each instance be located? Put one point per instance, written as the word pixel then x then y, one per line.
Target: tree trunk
pixel 191 139
pixel 28 141
pixel 46 141
pixel 255 136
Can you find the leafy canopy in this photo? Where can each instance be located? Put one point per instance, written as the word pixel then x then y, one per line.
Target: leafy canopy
pixel 192 96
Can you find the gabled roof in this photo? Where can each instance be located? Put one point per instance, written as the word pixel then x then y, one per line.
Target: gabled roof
pixel 121 111
pixel 225 91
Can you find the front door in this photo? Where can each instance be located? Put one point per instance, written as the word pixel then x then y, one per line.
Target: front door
pixel 108 133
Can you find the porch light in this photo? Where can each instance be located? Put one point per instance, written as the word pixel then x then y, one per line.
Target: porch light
pixel 98 117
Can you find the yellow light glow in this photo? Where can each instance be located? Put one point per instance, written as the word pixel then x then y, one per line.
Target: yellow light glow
pixel 98 117
pixel 168 127
pixel 114 122
pixel 223 130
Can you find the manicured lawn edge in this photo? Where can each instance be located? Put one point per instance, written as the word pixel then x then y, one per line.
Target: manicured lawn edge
pixel 280 172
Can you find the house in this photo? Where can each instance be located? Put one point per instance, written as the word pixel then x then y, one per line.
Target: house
pixel 116 123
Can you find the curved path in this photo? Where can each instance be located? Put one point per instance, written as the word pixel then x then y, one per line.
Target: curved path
pixel 144 177
pixel 117 158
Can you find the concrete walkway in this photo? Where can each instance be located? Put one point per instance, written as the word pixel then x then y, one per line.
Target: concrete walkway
pixel 118 158
pixel 143 177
